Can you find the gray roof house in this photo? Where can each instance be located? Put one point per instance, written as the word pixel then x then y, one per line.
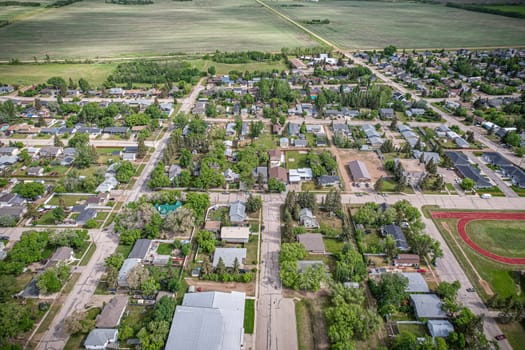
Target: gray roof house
pixel 228 256
pixel 35 171
pixel 112 313
pixel 208 321
pixel 261 171
pixel 427 306
pixel 293 129
pixel 140 249
pixel 461 143
pixel 328 180
pixel 517 176
pixel 439 328
pixel 387 113
pixel 416 283
pixel 127 266
pixel 307 218
pixel 100 338
pixel 237 212
pixel 85 215
pixel 495 158
pixel 313 242
pixel 62 254
pixel 427 156
pixel 396 232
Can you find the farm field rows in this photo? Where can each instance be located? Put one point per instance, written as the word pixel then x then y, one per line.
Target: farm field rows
pixel 93 28
pixel 368 25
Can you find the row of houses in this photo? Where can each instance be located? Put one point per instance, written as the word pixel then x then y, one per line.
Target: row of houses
pixel 506 168
pixel 466 170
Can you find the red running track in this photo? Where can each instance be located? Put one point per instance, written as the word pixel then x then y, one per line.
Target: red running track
pixel 466 217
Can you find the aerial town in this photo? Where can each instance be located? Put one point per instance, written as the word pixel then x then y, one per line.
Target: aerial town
pixel 308 198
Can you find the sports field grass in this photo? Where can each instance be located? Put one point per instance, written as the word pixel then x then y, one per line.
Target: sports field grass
pixel 505 238
pixel 376 24
pixel 93 28
pixel 501 278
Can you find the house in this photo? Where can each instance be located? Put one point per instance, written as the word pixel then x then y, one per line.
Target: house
pixel 97 200
pixel 277 129
pixel 84 215
pixel 468 171
pixel 261 172
pixel 427 306
pixel 35 171
pixel 386 113
pixel 397 233
pixel 427 156
pixel 439 328
pixel 213 226
pixel 112 313
pixel 9 151
pixel 140 249
pixel 116 130
pixel 294 129
pixel 284 142
pixel 231 176
pixel 461 143
pixel 117 91
pixel 50 152
pixel 276 158
pixel 11 199
pixel 307 218
pixel 300 174
pixel 314 129
pixel 300 143
pixel 328 180
pixel 89 130
pixel 312 242
pixel 62 254
pixel 208 320
pixel 230 129
pixel 127 266
pixel 228 256
pixel 278 173
pixel 101 338
pixel 416 283
pixel 109 183
pixel 14 212
pixel 304 264
pixel 495 158
pixel 321 140
pixel 8 160
pixel 235 234
pixel 516 175
pixel 131 157
pixel 341 129
pixel 407 260
pixel 237 212
pixel 174 171
pixel 359 171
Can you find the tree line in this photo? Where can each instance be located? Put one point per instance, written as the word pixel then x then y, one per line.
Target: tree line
pixel 244 57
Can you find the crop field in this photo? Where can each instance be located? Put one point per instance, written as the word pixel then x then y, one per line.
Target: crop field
pixel 13 13
pixel 374 24
pixel 93 28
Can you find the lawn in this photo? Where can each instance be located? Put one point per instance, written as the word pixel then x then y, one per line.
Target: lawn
pixel 515 333
pixel 93 28
pixel 69 201
pixel 419 330
pixel 46 219
pixel 249 316
pixel 295 159
pixel 333 245
pixel 505 238
pixel 519 9
pixel 164 249
pixel 370 24
pixel 91 250
pixel 124 250
pixel 312 330
pixel 501 278
pixel 251 250
pixel 75 341
pixel 304 331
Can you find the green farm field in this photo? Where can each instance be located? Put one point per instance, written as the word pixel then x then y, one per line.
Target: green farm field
pixel 93 28
pixel 14 13
pixel 520 9
pixel 376 24
pixel 504 238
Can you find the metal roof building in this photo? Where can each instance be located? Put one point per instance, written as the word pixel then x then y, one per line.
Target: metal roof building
pixel 439 328
pixel 112 313
pixel 228 256
pixel 427 306
pixel 416 283
pixel 359 171
pixel 208 321
pixel 140 249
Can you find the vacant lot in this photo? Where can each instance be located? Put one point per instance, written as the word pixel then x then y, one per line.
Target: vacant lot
pixel 373 24
pixel 505 238
pixel 92 28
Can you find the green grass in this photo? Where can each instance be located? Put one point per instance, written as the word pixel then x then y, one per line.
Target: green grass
pixel 91 250
pixel 46 322
pixel 69 201
pixel 367 25
pixel 75 341
pixel 333 245
pixel 419 330
pixel 304 331
pixel 164 249
pixel 515 333
pixel 108 150
pixel 519 191
pixel 508 8
pixel 136 317
pixel 494 191
pixel 71 283
pixel 294 160
pixel 501 278
pixel 505 238
pixel 124 250
pixel 92 28
pixel 46 219
pixel 251 250
pixel 223 68
pixel 249 316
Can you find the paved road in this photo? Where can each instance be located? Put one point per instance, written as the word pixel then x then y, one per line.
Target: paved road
pixel 56 337
pixel 276 327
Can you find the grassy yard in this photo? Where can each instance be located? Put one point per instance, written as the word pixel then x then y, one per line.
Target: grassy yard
pixel 311 323
pixel 124 250
pixel 419 330
pixel 97 29
pixel 505 238
pixel 295 159
pixel 251 250
pixel 367 25
pixel 164 249
pixel 69 201
pixel 501 278
pixel 75 341
pixel 494 191
pixel 304 331
pixel 91 250
pixel 333 245
pixel 46 219
pixel 515 333
pixel 249 316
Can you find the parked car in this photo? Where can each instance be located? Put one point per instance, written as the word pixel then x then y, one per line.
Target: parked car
pixel 471 290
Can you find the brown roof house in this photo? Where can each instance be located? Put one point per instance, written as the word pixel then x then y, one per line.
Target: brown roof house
pixel 276 157
pixel 112 313
pixel 213 226
pixel 279 173
pixel 313 242
pixel 406 260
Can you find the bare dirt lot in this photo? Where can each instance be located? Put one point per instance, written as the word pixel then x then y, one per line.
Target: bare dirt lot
pixel 371 160
pixel 207 286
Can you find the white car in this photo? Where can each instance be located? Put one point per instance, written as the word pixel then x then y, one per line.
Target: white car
pixel 486 196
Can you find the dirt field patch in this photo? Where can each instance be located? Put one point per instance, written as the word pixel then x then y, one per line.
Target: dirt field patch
pixel 207 286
